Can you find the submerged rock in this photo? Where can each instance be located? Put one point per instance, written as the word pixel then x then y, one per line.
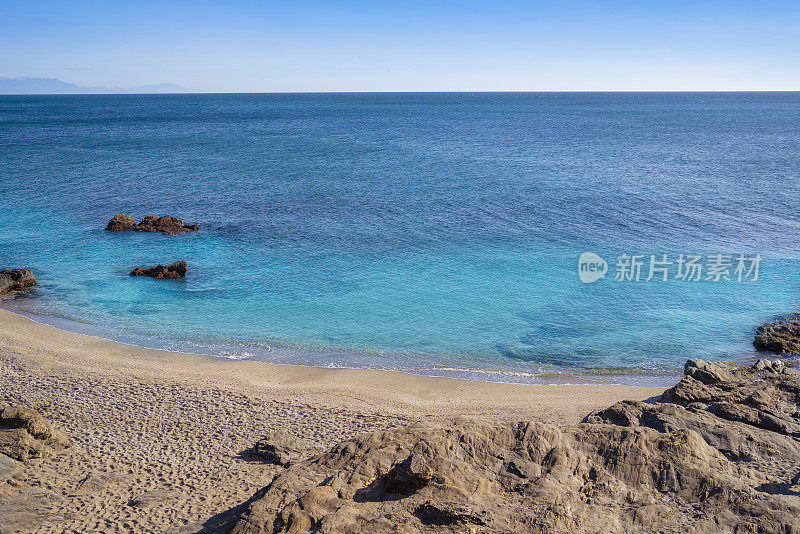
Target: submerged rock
pixel 719 452
pixel 120 222
pixel 781 337
pixel 160 272
pixel 15 280
pixel 165 224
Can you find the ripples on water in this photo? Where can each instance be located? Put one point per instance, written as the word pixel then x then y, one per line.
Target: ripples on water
pixel 437 232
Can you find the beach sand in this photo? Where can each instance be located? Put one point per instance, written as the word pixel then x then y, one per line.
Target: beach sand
pixel 160 439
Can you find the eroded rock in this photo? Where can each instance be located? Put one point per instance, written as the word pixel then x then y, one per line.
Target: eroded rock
pixel 164 224
pixel 781 337
pixel 707 372
pixel 9 467
pixel 34 423
pixel 29 509
pixel 279 447
pixel 19 445
pixel 718 453
pixel 120 222
pixel 15 280
pixel 151 223
pixel 25 434
pixel 160 272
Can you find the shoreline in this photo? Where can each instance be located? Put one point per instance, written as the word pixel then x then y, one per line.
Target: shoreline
pixel 294 355
pixel 404 391
pixel 173 430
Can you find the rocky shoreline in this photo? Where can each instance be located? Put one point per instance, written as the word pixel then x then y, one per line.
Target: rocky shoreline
pixel 780 337
pixel 12 280
pixel 718 452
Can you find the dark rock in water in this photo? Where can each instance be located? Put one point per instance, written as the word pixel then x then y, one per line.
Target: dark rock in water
pixel 15 280
pixel 166 225
pixel 718 453
pixel 160 272
pixel 25 434
pixel 121 222
pixel 781 337
pixel 280 448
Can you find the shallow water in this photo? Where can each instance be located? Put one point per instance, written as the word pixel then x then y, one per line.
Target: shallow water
pixel 437 233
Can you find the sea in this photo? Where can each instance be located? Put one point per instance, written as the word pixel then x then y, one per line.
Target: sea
pixel 517 237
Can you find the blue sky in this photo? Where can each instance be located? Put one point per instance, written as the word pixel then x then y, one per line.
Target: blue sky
pixel 406 46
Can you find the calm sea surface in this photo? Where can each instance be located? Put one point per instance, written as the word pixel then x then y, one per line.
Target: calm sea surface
pixel 432 233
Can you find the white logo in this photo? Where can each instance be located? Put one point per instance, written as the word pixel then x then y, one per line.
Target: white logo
pixel 591 267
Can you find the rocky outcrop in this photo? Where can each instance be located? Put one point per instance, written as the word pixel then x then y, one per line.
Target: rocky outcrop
pixel 165 224
pixel 719 452
pixel 121 222
pixel 15 280
pixel 25 434
pixel 280 448
pixel 781 337
pixel 9 468
pixel 160 272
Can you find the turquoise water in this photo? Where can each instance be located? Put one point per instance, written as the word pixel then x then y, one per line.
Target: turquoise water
pixel 432 233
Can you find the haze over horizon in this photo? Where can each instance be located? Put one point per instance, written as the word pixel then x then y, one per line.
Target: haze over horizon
pixel 357 46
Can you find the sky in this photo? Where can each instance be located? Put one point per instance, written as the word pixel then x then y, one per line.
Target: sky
pixel 252 46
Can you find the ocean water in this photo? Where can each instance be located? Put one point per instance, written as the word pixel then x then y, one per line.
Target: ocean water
pixel 430 233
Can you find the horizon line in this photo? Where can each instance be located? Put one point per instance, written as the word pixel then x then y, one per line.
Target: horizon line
pixel 547 91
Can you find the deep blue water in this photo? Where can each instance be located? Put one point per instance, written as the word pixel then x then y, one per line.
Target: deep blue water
pixel 437 233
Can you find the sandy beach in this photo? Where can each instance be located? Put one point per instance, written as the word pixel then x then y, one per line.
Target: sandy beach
pixel 160 439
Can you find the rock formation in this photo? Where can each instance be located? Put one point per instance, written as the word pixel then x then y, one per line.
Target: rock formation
pixel 782 337
pixel 120 222
pixel 719 452
pixel 15 280
pixel 280 448
pixel 25 434
pixel 165 224
pixel 160 272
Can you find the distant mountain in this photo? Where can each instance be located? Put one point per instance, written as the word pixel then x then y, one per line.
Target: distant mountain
pixel 53 86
